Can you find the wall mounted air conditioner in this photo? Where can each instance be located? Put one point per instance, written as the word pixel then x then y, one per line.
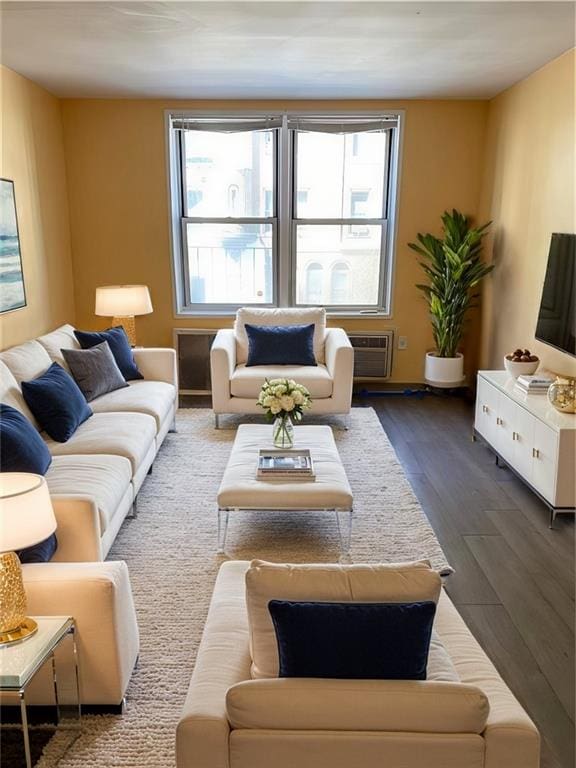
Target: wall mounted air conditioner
pixel 372 354
pixel 192 347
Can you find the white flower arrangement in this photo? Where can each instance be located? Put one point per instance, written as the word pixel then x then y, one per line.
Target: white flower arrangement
pixel 284 397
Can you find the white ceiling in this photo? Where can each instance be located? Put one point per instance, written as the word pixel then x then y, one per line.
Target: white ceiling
pixel 282 49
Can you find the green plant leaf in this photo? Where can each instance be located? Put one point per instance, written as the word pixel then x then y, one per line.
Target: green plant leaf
pixel 453 267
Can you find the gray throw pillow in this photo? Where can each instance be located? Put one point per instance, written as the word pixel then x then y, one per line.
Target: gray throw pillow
pixel 95 370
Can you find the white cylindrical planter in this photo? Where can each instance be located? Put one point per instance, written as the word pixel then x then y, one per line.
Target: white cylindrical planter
pixel 446 372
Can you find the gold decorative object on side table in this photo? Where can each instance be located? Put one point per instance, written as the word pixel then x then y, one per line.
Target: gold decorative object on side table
pixel 562 395
pixel 27 518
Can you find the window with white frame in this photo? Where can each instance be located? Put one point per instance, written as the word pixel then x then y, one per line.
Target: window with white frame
pixel 263 207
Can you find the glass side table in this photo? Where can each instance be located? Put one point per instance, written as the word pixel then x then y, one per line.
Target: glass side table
pixel 19 663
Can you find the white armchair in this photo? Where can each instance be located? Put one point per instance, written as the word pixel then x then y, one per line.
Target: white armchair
pixel 235 387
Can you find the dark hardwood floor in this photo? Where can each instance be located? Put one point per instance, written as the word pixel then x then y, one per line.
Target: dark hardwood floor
pixel 514 577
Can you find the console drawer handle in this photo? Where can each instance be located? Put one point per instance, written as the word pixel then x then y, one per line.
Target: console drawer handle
pixel 484 409
pixel 515 435
pixel 535 453
pixel 499 420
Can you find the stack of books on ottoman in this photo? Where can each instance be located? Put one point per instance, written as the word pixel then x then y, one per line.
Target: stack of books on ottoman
pixel 285 464
pixel 536 384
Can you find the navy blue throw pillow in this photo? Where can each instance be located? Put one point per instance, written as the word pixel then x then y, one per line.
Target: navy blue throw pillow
pixel 353 641
pixel 39 553
pixel 57 402
pixel 280 344
pixel 21 447
pixel 119 346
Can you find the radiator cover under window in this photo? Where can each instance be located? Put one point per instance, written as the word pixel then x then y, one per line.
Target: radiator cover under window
pixel 372 354
pixel 193 352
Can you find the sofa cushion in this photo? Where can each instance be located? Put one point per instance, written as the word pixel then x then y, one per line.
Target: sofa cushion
pixel 21 447
pixel 94 370
pixel 116 434
pixel 26 361
pixel 56 341
pixel 247 381
pixel 358 705
pixel 119 345
pixel 152 397
pixel 103 478
pixel 280 344
pixel 440 666
pixel 57 402
pixel 353 641
pixel 397 582
pixel 279 316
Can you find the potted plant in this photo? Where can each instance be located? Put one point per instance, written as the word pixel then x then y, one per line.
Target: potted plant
pixel 454 268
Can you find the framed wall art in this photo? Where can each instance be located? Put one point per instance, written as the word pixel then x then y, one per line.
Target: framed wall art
pixel 12 291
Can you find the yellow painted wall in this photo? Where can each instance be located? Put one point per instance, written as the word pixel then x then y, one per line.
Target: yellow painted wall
pixel 117 177
pixel 33 158
pixel 529 192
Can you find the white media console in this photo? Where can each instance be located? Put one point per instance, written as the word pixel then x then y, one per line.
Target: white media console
pixel 531 437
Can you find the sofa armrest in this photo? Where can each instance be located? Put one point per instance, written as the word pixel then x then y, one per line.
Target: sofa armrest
pixel 511 738
pixel 223 659
pixel 157 364
pixel 340 364
pixel 357 705
pixel 222 365
pixel 99 597
pixel 78 529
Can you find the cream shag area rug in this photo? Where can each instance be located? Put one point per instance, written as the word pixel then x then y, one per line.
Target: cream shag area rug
pixel 170 549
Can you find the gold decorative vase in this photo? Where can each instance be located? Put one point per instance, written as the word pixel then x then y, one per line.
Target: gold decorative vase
pixel 14 624
pixel 562 395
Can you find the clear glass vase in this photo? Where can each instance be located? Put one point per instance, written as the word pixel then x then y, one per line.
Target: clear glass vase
pixel 283 432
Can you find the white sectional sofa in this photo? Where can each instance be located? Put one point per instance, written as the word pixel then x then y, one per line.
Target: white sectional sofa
pixel 108 457
pixel 94 480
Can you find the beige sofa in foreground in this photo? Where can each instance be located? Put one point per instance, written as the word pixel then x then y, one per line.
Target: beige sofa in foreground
pixel 232 721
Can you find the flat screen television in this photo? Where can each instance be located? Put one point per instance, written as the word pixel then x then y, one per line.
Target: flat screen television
pixel 557 317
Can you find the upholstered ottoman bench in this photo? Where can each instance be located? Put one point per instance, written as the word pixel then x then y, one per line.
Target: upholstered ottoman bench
pixel 238 715
pixel 240 489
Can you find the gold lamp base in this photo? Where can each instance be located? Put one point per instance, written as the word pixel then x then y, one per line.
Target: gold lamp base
pixel 27 628
pixel 14 624
pixel 129 325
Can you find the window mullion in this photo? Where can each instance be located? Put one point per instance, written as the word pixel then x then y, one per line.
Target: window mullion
pixel 284 277
pixel 339 222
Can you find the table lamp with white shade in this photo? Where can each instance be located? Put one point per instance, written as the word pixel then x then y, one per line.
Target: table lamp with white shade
pixel 26 518
pixel 123 303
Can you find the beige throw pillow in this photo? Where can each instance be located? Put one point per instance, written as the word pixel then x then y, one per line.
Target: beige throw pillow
pixel 280 316
pixel 396 582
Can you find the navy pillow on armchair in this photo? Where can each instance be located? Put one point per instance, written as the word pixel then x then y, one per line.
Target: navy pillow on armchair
pixel 280 344
pixel 353 641
pixel 21 447
pixel 119 346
